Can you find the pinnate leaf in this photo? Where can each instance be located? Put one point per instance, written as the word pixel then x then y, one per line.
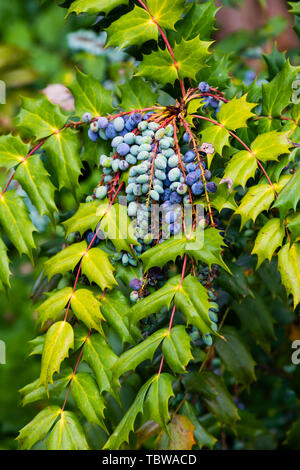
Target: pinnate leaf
pixel 156 403
pixel 176 349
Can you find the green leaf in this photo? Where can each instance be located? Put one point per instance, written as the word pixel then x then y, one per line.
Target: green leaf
pixel 137 94
pixel 90 95
pixel 293 224
pixel 290 195
pixel 215 395
pixel 38 428
pixel 275 96
pixel 275 61
pixel 54 305
pixel 63 150
pixel 176 349
pixel 134 28
pixel 16 223
pixel 59 339
pixel 166 12
pixel 240 168
pixel 156 403
pixel 201 435
pixel 40 118
pixel 86 396
pixel 289 267
pixel 100 357
pixel 118 227
pixel 35 180
pixel 131 358
pixel 223 198
pixel 292 438
pixel 199 21
pixel 86 307
pixel 4 266
pixel 236 113
pixel 94 6
pixel 86 217
pixel 295 8
pixel 270 145
pixel 97 267
pixel 235 355
pixel 65 260
pixel 67 434
pixel 12 151
pixel 217 136
pixel 269 238
pixel 114 307
pixel 126 425
pixel 33 392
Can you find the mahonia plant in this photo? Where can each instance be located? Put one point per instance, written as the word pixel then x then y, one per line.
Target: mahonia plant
pixel 132 309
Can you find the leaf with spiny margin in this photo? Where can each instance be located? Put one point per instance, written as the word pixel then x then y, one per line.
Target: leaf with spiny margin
pixel 181 435
pixel 87 398
pixel 86 217
pixel 293 224
pixel 126 425
pixel 258 199
pixel 157 399
pixel 38 428
pixel 134 28
pixel 36 345
pixel 4 266
pixel 295 8
pixel 290 195
pixel 275 61
pixel 90 96
pixel 176 349
pixel 86 307
pixel 134 356
pixel 39 117
pixel 199 21
pixel 277 94
pixel 63 150
pixel 192 300
pixel 54 305
pixel 137 94
pixel 94 6
pixel 289 268
pixel 12 151
pixel 201 435
pixel 100 357
pixel 235 356
pixel 270 145
pixel 215 394
pixel 223 198
pixel 35 180
pixel 217 136
pixel 154 302
pixel 166 12
pixel 16 223
pixel 33 392
pixel 114 307
pixel 236 113
pixel 59 339
pixel 269 238
pixel 240 168
pixel 97 268
pixel 118 227
pixel 189 55
pixel 67 434
pixel 65 260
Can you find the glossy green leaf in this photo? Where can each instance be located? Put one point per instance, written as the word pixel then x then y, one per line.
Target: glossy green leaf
pixel 94 6
pixel 54 305
pixel 293 224
pixel 270 145
pixel 86 396
pixel 86 217
pixel 240 168
pixel 289 267
pixel 137 94
pixel 97 268
pixel 176 349
pixel 65 260
pixel 236 113
pixel 290 195
pixel 33 392
pixel 12 151
pixel 156 403
pixel 67 434
pixel 199 21
pixel 202 437
pixel 4 266
pixel 59 339
pixel 86 307
pixel 269 238
pixel 38 428
pixel 217 136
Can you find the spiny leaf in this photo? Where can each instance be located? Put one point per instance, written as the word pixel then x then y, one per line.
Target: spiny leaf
pixel 223 198
pixel 86 307
pixel 215 395
pixel 217 136
pixel 97 268
pixel 86 217
pixel 199 21
pixel 236 356
pixel 38 428
pixel 118 227
pixel 65 260
pixel 289 267
pixel 131 358
pixel 90 95
pixel 181 432
pixel 270 145
pixel 100 357
pixel 290 195
pixel 16 223
pixel 33 392
pixel 137 94
pixel 67 434
pixel 166 12
pixel 39 117
pixel 59 339
pixel 35 180
pixel 236 113
pixel 176 349
pixel 12 151
pixel 126 425
pixel 4 266
pixel 53 306
pixel 87 398
pixel 269 238
pixel 156 403
pixel 94 6
pixel 240 168
pixel 293 224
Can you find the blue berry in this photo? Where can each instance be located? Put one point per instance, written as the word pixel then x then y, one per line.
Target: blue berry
pixel 123 149
pixel 110 131
pixel 87 117
pixel 171 217
pixel 93 135
pixel 174 229
pixel 101 192
pixel 207 174
pixel 175 198
pixel 189 156
pixel 119 124
pixel 135 284
pixel 102 123
pixel 213 102
pixel 123 165
pixel 211 187
pixel 166 195
pixel 204 87
pixel 191 167
pixel 129 138
pixel 186 137
pixel 191 178
pixel 116 141
pixel 90 238
pixel 197 188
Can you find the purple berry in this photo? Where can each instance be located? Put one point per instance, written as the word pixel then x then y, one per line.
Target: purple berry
pixel 171 217
pixel 102 123
pixel 197 188
pixel 211 187
pixel 189 156
pixel 166 195
pixel 207 175
pixel 186 137
pixel 191 167
pixel 135 284
pixel 123 149
pixel 191 178
pixel 90 238
pixel 213 102
pixel 93 135
pixel 204 87
pixel 110 131
pixel 175 198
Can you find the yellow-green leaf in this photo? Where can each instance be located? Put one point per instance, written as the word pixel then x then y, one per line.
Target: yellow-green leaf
pixel 269 238
pixel 289 267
